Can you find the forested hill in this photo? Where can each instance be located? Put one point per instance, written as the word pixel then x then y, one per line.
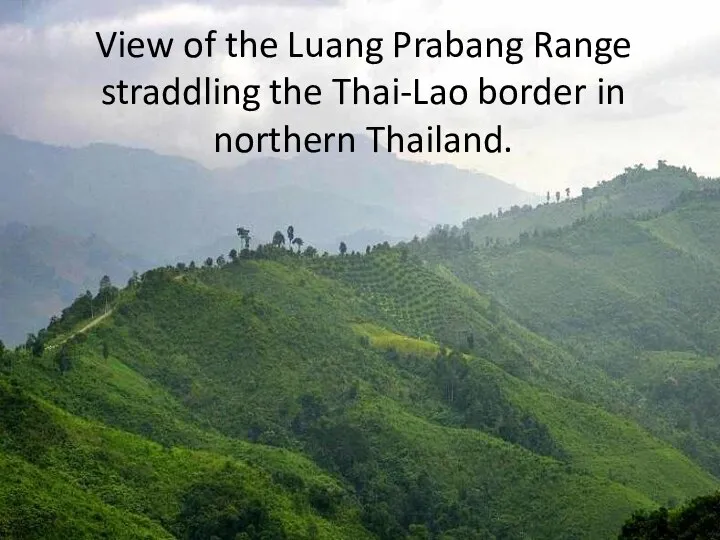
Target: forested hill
pixel 632 293
pixel 290 396
pixel 633 193
pixel 545 387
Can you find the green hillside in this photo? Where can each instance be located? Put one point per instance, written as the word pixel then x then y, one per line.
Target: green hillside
pixel 634 192
pixel 288 396
pixel 632 294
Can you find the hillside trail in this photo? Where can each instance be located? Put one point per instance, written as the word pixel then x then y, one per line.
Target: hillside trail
pixel 88 326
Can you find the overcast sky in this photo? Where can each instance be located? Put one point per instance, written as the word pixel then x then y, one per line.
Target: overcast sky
pixel 52 74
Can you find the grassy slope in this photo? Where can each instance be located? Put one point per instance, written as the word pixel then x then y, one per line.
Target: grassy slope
pixel 86 480
pixel 270 351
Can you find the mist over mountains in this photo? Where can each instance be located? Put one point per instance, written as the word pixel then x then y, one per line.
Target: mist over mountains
pixel 43 270
pixel 161 209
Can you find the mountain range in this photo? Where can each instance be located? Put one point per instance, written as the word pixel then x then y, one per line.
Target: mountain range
pixel 152 209
pixel 548 382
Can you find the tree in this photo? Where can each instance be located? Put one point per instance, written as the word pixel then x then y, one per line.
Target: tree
pixel 209 262
pixel 567 192
pixel 698 520
pixel 233 255
pixel 298 242
pixel 244 235
pixel 310 252
pixel 134 279
pixel 105 284
pixel 35 344
pixel 220 261
pixel 548 197
pixel 105 350
pixel 343 248
pixel 367 250
pixel 88 299
pixel 2 348
pixel 290 234
pixel 278 239
pixel 585 197
pixel 107 292
pixel 557 196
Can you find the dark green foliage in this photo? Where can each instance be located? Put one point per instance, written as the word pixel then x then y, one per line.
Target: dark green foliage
pixel 25 428
pixel 698 520
pixel 219 508
pixel 290 234
pixel 278 239
pixel 36 344
pixel 64 360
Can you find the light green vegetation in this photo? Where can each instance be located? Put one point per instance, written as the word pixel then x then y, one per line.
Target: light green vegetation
pixel 543 389
pixel 347 402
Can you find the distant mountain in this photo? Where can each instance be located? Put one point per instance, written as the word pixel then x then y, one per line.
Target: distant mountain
pixel 635 192
pixel 422 191
pixel 160 207
pixel 41 271
pixel 139 201
pixel 164 209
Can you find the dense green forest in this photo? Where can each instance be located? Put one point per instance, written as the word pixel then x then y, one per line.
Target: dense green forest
pixel 544 373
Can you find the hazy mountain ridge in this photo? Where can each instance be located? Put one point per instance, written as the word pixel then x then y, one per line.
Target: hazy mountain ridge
pixel 437 389
pixel 158 207
pixel 162 209
pixel 42 271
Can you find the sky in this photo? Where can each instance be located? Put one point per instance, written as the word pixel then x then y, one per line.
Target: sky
pixel 52 74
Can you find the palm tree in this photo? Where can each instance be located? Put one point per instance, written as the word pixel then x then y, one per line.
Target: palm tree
pixel 298 242
pixel 343 248
pixel 290 234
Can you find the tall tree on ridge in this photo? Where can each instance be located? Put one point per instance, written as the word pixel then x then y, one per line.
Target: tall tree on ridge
pixel 298 242
pixel 278 239
pixel 244 235
pixel 290 234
